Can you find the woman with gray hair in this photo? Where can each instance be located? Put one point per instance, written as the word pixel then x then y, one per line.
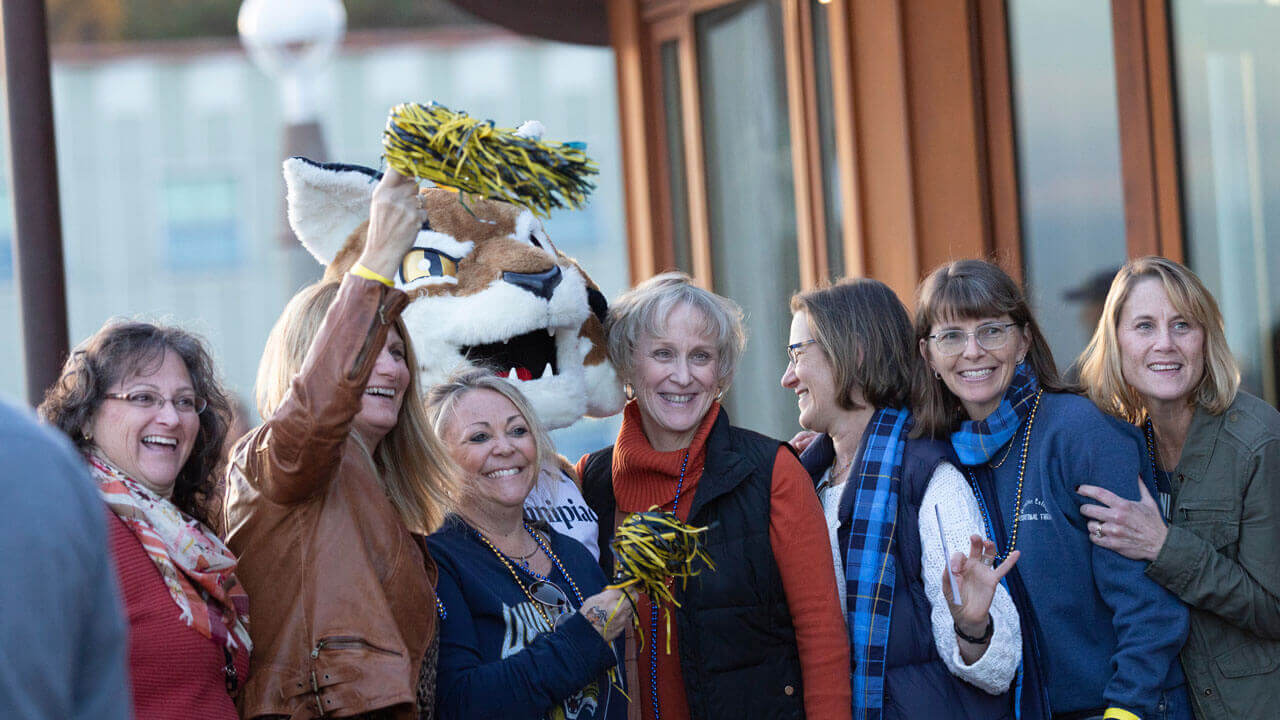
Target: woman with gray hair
pixel 525 627
pixel 760 634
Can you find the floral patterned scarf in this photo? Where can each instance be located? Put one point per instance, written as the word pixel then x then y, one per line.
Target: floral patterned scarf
pixel 196 566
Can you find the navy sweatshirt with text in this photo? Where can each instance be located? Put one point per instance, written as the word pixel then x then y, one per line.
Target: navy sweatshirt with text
pixel 1109 636
pixel 497 659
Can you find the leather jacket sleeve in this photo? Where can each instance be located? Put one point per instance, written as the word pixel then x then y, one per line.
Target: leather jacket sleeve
pixel 299 450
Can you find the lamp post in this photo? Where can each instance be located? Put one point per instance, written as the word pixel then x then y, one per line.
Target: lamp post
pixel 292 41
pixel 33 176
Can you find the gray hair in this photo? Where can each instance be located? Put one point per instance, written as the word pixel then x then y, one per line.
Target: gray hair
pixel 442 399
pixel 643 311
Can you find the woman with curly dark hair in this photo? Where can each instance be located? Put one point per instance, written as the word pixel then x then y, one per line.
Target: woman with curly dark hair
pixel 143 404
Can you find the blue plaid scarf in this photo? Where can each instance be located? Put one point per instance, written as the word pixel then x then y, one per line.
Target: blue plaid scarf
pixel 869 565
pixel 978 440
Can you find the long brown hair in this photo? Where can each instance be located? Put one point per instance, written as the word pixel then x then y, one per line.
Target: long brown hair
pixel 416 471
pixel 971 289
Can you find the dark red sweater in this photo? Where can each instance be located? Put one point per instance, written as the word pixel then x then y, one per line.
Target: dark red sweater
pixel 175 672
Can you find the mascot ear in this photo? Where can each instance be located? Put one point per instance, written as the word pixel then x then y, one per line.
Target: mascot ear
pixel 327 202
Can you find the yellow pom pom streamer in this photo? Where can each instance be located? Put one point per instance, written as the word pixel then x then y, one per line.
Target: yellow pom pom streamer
pixel 648 549
pixel 431 142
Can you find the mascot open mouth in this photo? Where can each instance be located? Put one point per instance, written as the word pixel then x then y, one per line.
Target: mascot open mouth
pixel 530 356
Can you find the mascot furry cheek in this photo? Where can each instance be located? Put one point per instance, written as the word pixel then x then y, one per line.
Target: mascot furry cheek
pixel 487 288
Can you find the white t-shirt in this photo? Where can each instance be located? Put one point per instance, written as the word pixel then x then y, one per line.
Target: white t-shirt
pixel 557 501
pixel 829 495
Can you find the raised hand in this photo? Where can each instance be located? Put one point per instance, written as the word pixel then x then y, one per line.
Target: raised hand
pixel 976 580
pixel 395 216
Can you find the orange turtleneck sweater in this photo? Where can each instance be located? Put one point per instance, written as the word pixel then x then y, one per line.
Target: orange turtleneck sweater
pixel 644 477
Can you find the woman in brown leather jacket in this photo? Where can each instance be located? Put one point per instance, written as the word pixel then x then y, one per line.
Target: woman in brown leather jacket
pixel 327 501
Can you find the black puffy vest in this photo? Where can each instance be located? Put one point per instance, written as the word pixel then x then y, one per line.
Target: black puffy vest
pixel 917 684
pixel 738 651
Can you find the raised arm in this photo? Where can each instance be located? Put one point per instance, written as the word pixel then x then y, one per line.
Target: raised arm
pixel 298 450
pixel 995 663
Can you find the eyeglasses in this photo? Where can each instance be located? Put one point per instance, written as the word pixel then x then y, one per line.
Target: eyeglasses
pixel 147 400
pixel 991 336
pixel 793 350
pixel 550 596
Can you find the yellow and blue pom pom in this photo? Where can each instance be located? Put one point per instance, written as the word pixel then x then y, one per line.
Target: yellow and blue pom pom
pixel 651 547
pixel 431 142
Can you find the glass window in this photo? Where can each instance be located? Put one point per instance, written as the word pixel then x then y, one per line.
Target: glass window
pixel 833 211
pixel 677 186
pixel 1069 182
pixel 1227 60
pixel 201 224
pixel 750 203
pixel 6 236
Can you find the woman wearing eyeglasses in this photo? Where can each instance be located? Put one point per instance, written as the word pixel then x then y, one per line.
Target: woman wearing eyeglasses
pixel 143 404
pixel 916 653
pixel 525 628
pixel 1108 636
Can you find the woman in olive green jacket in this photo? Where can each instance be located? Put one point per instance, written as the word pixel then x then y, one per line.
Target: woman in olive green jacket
pixel 1160 360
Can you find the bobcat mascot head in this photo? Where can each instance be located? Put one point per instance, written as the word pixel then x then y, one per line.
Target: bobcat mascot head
pixel 486 287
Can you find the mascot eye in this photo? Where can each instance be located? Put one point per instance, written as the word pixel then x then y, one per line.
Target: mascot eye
pixel 424 263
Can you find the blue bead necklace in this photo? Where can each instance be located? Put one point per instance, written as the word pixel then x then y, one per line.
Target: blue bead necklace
pixel 653 608
pixel 1017 501
pixel 511 566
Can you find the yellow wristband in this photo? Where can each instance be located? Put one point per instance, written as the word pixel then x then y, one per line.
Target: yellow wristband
pixel 1115 713
pixel 361 271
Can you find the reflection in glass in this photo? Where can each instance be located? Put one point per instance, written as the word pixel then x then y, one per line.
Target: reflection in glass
pixel 677 187
pixel 1070 189
pixel 750 198
pixel 1229 117
pixel 832 209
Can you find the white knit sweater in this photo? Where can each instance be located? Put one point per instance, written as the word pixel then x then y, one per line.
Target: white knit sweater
pixel 961 516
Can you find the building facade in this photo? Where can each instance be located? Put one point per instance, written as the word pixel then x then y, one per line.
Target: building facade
pixel 172 196
pixel 770 145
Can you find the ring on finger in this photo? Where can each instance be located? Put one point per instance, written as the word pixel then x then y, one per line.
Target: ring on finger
pixel 1097 532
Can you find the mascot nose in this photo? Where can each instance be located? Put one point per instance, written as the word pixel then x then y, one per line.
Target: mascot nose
pixel 541 284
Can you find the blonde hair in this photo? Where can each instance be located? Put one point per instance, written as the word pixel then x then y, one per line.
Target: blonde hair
pixel 1101 368
pixel 442 401
pixel 417 474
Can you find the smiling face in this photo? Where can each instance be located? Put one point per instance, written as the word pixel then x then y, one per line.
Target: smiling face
pixel 493 444
pixel 676 378
pixel 978 377
pixel 150 445
pixel 1161 351
pixel 384 393
pixel 812 378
